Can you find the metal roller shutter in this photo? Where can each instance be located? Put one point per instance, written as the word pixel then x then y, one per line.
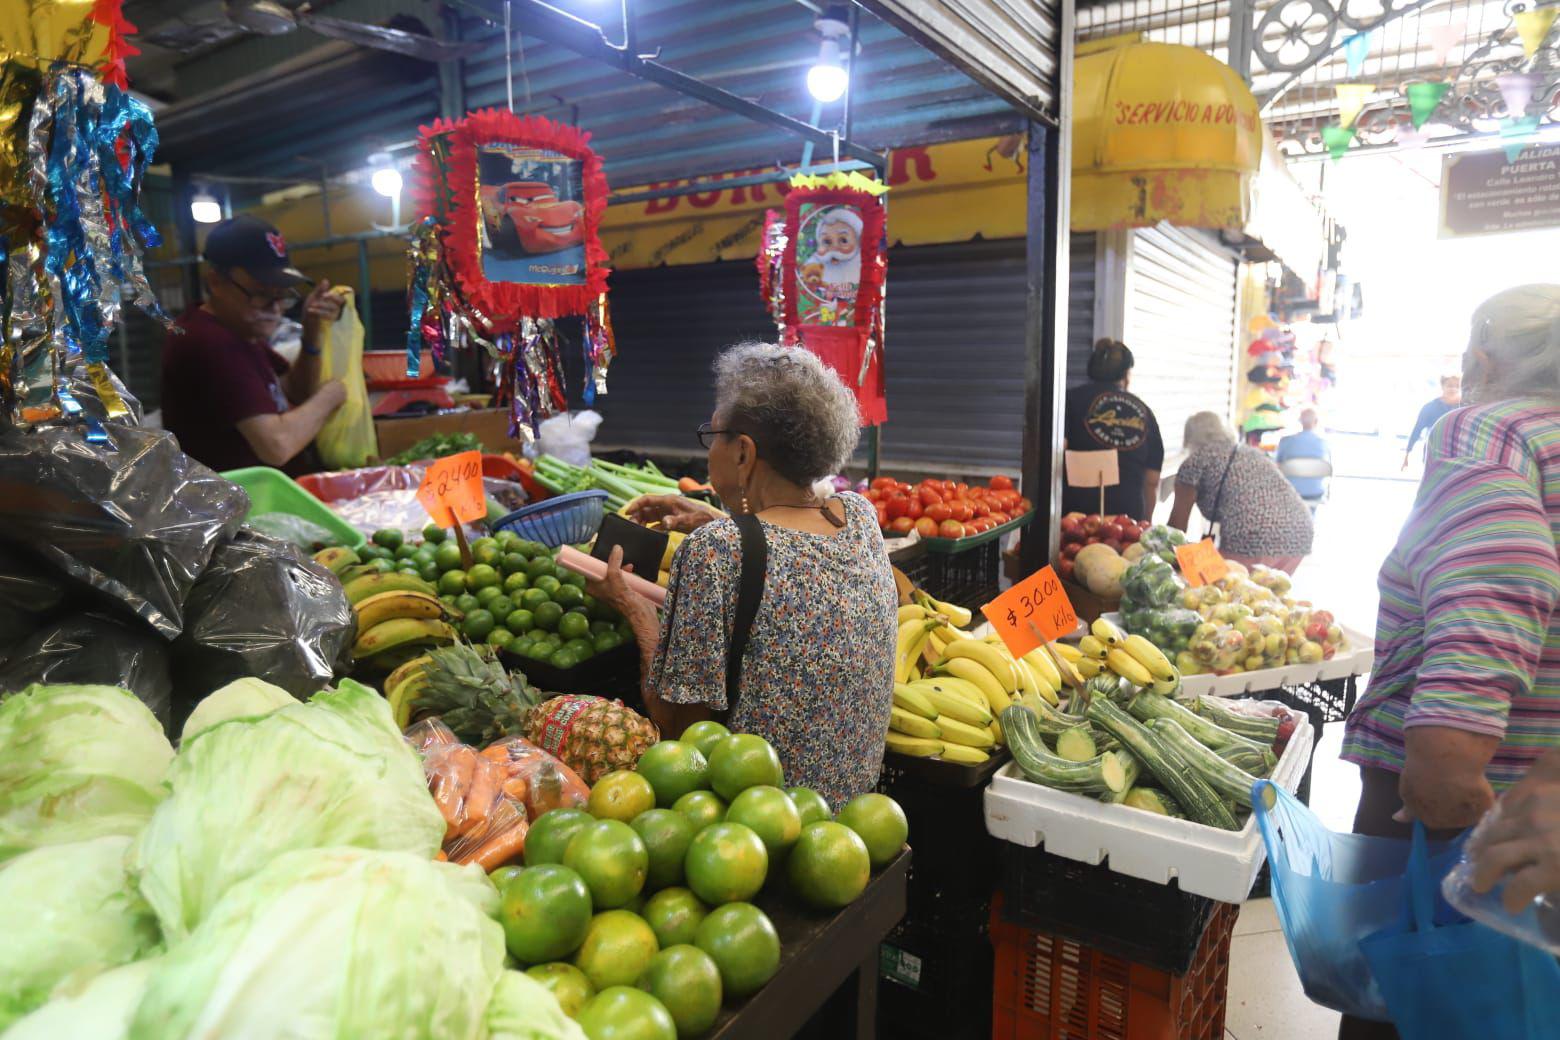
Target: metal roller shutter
pixel 1080 305
pixel 955 355
pixel 1180 324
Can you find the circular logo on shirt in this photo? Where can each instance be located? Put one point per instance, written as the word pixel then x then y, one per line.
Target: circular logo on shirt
pixel 1117 420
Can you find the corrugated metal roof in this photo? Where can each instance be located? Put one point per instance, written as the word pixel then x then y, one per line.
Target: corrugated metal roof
pixel 758 49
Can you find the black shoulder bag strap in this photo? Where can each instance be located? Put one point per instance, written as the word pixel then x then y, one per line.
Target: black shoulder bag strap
pixel 750 591
pixel 1218 496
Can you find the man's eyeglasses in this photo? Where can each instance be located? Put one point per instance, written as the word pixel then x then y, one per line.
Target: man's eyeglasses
pixel 263 301
pixel 705 432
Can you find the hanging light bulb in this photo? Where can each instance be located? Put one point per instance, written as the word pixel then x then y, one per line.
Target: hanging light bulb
pixel 205 208
pixel 385 179
pixel 828 79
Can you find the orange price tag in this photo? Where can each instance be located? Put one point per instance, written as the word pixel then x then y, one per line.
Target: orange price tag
pixel 451 490
pixel 1032 612
pixel 1201 563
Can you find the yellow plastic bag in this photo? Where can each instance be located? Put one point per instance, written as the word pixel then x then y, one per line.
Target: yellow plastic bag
pixel 347 440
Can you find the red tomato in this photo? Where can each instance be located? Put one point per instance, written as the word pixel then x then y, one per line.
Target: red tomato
pixel 902 525
pixel 1000 517
pixel 949 489
pixel 882 483
pixel 962 489
pixel 1001 483
pixel 929 496
pixel 903 489
pixel 950 529
pixel 926 527
pixel 872 494
pixel 1024 506
pixel 882 516
pixel 898 506
pixel 939 512
pixel 962 510
pixel 913 510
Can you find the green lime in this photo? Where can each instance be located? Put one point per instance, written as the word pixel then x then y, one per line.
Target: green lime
pixel 569 596
pixel 624 629
pixel 548 584
pixel 477 625
pixel 598 627
pixel 501 638
pixel 500 607
pixel 535 549
pixel 484 542
pixel 373 552
pixel 538 567
pixel 466 603
pixel 582 649
pixel 573 578
pixel 538 635
pixel 548 614
pixel 405 551
pixel 452 582
pixel 481 576
pixel 447 556
pixel 428 571
pixel 433 534
pixel 516 583
pixel 448 601
pixel 520 621
pixel 541 652
pixel 530 599
pixel 424 553
pixel 606 641
pixel 507 540
pixel 382 564
pixel 574 626
pixel 489 554
pixel 513 563
pixel 389 537
pixel 563 659
pixel 487 594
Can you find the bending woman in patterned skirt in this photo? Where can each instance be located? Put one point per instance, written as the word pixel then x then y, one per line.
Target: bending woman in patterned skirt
pixel 817 676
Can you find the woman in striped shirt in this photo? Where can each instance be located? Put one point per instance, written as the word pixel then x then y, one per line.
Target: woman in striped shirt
pixel 1465 692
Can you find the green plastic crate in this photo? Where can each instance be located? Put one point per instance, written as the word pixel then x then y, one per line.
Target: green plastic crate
pixel 272 491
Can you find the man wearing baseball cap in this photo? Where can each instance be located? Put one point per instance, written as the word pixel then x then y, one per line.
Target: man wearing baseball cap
pixel 230 399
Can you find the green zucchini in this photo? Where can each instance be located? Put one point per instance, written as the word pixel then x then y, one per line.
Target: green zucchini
pixel 1133 768
pixel 1051 720
pixel 1262 729
pixel 1247 758
pixel 1101 773
pixel 1226 779
pixel 1104 742
pixel 1185 785
pixel 1076 745
pixel 1151 799
pixel 1146 707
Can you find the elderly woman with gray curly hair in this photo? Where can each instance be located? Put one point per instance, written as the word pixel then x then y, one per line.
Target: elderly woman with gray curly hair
pixel 815 673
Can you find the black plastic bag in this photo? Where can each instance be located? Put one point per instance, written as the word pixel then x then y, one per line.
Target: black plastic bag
pixel 94 648
pixel 133 517
pixel 30 592
pixel 266 610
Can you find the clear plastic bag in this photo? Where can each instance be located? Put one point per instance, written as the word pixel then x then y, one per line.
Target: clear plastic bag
pixel 484 825
pixel 1539 922
pixel 568 436
pixel 1150 582
pixel 385 497
pixel 536 778
pixel 428 734
pixel 347 440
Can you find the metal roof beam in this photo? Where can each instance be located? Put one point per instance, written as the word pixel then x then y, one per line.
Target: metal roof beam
pixel 548 23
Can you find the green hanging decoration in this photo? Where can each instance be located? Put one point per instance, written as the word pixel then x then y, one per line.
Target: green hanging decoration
pixel 1517 134
pixel 1423 99
pixel 1337 139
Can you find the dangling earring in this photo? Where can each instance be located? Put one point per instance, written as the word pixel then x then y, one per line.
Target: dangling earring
pixel 747 507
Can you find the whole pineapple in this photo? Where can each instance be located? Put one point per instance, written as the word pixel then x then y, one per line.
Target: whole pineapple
pixel 592 735
pixel 476 697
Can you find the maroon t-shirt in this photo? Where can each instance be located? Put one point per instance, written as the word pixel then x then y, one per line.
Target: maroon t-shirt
pixel 212 380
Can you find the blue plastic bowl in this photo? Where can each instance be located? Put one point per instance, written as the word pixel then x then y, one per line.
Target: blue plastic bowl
pixel 565 520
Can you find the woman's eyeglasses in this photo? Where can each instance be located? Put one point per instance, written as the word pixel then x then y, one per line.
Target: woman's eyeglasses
pixel 705 432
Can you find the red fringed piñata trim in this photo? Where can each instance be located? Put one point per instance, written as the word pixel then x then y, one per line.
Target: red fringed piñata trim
pixel 108 13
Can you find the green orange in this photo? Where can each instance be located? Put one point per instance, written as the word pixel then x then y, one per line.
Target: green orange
pixel 626 1013
pixel 550 835
pixel 611 859
pixel 701 807
pixel 566 983
pixel 829 865
pixel 616 950
pixel 880 823
pixel 727 863
pixel 743 942
pixel 620 795
pixel 687 983
pixel 812 805
pixel 704 735
pixel 545 912
pixel 743 760
pixel 674 914
pixel 666 835
pixel 673 768
pixel 771 814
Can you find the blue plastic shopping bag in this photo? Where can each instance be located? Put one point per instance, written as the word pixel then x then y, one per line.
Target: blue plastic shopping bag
pixel 1331 891
pixel 1444 976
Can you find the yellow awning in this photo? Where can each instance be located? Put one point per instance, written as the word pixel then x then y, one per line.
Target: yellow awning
pixel 1161 132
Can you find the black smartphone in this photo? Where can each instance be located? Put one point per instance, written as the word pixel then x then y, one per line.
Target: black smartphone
pixel 642 547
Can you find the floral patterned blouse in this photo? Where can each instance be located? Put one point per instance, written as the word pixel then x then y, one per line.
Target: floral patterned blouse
pixel 818 673
pixel 1259 513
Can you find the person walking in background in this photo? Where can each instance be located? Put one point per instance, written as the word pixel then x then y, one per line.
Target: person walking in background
pixel 1102 415
pixel 1464 696
pixel 1260 517
pixel 1430 414
pixel 1307 444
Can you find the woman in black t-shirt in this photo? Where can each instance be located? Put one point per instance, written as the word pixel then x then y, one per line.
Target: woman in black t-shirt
pixel 1102 415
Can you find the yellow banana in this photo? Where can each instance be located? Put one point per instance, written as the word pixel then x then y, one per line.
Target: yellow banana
pixel 405 672
pixel 1126 666
pixel 915 747
pixel 963 754
pixel 1107 633
pixel 1089 667
pixel 956 732
pixel 1093 648
pixel 1034 684
pixel 957 616
pixel 360 589
pixel 915 671
pixel 404 697
pixel 1069 653
pixel 997 697
pixel 912 612
pixel 907 645
pixel 1151 657
pixel 902 721
pixel 950 634
pixel 336 559
pixel 938 644
pixel 1168 687
pixel 399 632
pixel 914 701
pixel 382 606
pixel 954 685
pixel 996 731
pixel 995 661
pixel 1039 662
pixel 952 705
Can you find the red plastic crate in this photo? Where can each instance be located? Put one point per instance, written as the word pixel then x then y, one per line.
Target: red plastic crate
pixel 388 368
pixel 1050 988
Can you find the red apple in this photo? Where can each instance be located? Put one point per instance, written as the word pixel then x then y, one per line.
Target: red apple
pixel 1130 533
pixel 1114 543
pixel 1064 568
pixel 1070 552
pixel 1092 525
pixel 1071 527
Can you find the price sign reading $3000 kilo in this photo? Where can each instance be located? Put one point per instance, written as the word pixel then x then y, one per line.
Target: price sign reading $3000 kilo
pixel 1034 611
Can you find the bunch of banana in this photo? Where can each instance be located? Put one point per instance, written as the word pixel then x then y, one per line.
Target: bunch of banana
pixel 337 559
pixel 1134 658
pixel 397 612
pixel 403 686
pixel 946 718
pixel 957 616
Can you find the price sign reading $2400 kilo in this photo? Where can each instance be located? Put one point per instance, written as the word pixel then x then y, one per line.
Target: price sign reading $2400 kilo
pixel 451 490
pixel 1034 611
